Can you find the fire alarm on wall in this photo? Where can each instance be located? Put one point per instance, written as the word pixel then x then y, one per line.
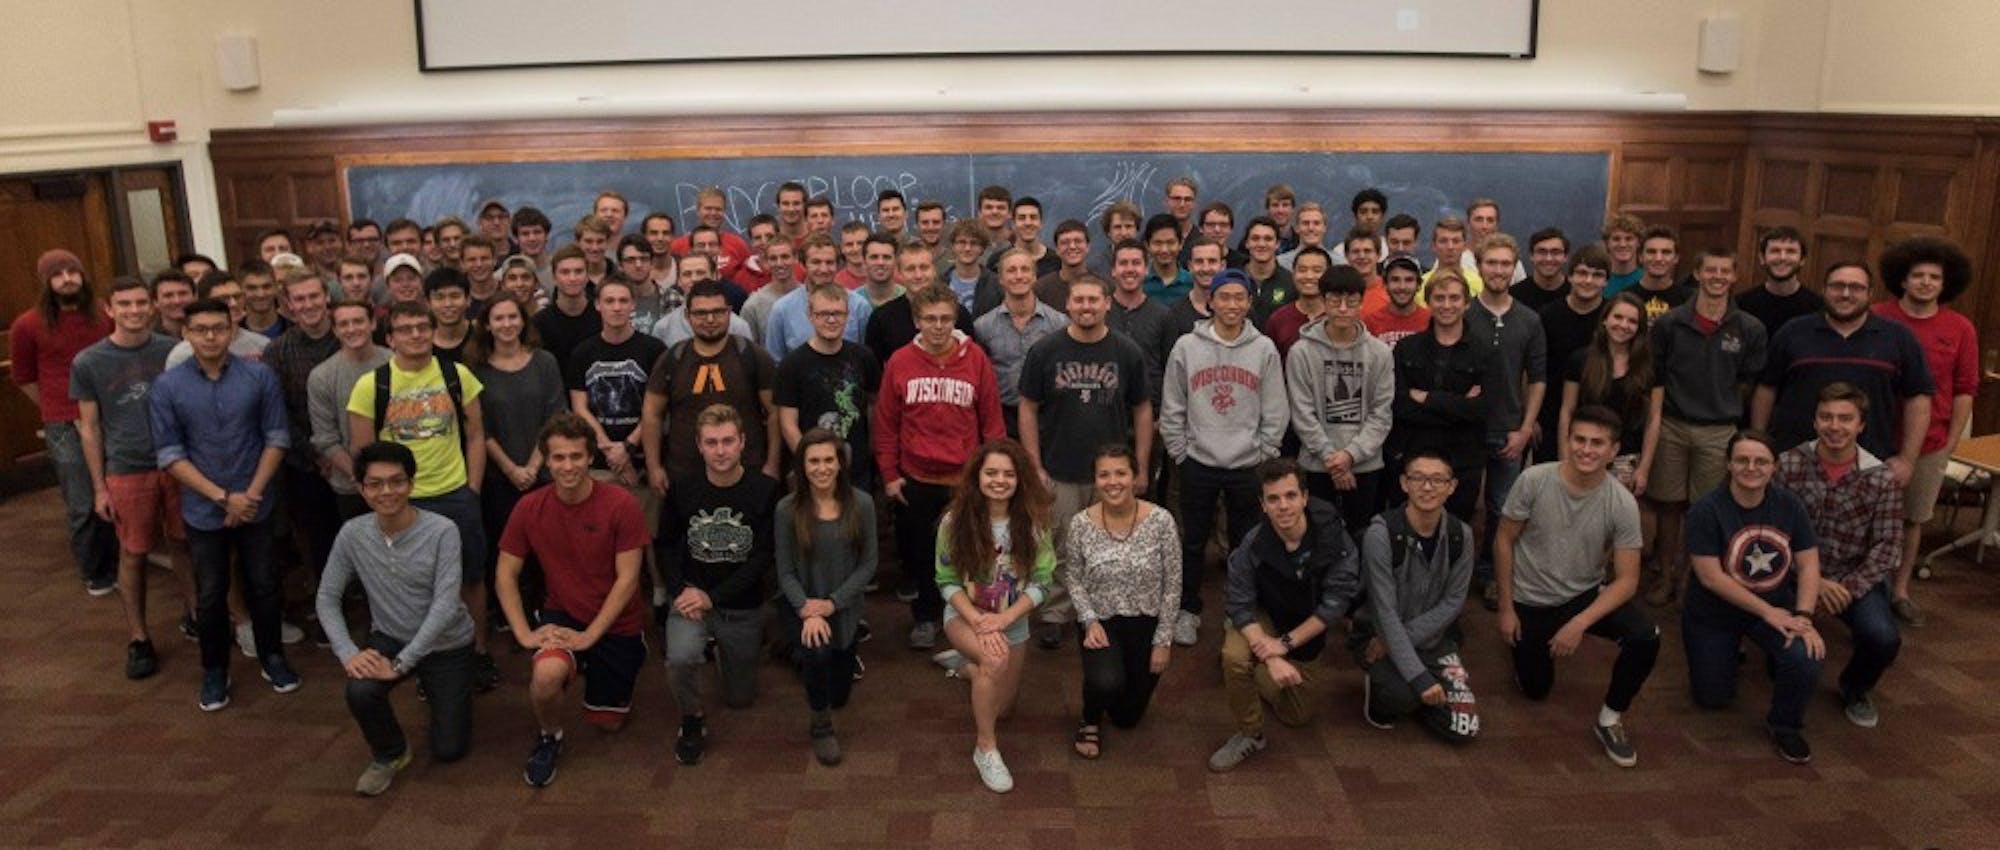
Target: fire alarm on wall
pixel 162 131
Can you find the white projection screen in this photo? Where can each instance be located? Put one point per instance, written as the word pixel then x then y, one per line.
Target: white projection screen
pixel 474 34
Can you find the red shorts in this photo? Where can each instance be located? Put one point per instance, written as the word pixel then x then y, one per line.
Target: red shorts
pixel 143 505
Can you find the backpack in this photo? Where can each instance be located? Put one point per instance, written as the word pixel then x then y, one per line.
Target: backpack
pixel 452 388
pixel 746 356
pixel 1402 537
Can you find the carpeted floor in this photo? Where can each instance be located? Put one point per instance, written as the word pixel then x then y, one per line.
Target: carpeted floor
pixel 89 759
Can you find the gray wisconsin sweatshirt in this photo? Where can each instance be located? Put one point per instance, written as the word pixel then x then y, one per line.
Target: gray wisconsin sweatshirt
pixel 1224 402
pixel 1342 396
pixel 412 584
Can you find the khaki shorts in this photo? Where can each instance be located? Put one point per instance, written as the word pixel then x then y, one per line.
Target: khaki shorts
pixel 1691 460
pixel 1920 498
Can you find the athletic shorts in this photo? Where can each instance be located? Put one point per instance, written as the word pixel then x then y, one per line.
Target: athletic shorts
pixel 610 667
pixel 145 504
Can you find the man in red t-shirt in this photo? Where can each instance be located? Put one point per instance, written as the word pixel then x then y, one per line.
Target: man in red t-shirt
pixel 45 339
pixel 1925 274
pixel 589 541
pixel 1402 316
pixel 710 209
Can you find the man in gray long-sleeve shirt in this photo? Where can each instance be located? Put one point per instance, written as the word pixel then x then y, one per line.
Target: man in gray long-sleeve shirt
pixel 328 387
pixel 408 562
pixel 1417 566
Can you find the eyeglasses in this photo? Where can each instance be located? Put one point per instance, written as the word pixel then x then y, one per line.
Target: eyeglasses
pixel 209 330
pixel 634 258
pixel 711 313
pixel 377 485
pixel 410 329
pixel 1428 482
pixel 828 315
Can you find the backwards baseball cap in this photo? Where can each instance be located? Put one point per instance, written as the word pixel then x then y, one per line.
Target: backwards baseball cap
pixel 324 225
pixel 55 261
pixel 1231 277
pixel 520 260
pixel 1404 260
pixel 490 203
pixel 402 261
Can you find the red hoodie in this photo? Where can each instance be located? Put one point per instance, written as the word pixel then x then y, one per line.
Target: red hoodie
pixel 934 411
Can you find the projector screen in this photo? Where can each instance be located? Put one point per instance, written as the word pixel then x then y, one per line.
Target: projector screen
pixel 472 34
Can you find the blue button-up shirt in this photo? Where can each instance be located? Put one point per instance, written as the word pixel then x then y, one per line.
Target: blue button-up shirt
pixel 222 426
pixel 1166 292
pixel 790 324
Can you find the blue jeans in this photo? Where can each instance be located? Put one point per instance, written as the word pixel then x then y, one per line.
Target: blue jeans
pixel 462 507
pixel 250 545
pixel 92 541
pixel 1500 476
pixel 1711 631
pixel 1876 642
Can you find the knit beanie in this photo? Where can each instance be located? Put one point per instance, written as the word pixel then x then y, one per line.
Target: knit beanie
pixel 54 261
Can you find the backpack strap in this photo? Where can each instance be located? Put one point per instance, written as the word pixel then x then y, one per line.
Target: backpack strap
pixel 453 387
pixel 1402 536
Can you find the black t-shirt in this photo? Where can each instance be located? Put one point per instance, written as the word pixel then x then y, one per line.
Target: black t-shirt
pixel 1624 399
pixel 1536 297
pixel 561 332
pixel 832 391
pixel 894 325
pixel 1085 393
pixel 1775 310
pixel 691 382
pixel 718 538
pixel 612 378
pixel 1566 333
pixel 1658 303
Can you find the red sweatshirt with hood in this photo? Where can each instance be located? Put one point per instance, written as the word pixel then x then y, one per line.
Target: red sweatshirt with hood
pixel 933 411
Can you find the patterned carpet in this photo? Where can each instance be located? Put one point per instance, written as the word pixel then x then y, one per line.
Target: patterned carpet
pixel 89 759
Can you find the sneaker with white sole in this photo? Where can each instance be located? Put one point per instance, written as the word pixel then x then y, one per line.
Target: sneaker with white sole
pixel 1234 751
pixel 1617 744
pixel 214 690
pixel 1368 704
pixel 280 675
pixel 924 635
pixel 1187 629
pixel 378 776
pixel 1861 712
pixel 992 770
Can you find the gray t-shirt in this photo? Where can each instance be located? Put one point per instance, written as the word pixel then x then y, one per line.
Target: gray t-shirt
pixel 516 404
pixel 1561 552
pixel 116 378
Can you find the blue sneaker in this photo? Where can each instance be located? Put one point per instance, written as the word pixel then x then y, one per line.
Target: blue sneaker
pixel 280 675
pixel 214 690
pixel 541 769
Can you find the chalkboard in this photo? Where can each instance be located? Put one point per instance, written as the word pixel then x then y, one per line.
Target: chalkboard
pixel 1535 189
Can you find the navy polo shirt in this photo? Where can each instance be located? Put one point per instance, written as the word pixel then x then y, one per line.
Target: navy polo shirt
pixel 1882 358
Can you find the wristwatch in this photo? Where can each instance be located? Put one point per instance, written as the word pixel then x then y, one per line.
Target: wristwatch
pixel 1802 612
pixel 1286 639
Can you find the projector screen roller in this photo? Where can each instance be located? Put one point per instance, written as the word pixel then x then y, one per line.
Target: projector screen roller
pixel 472 34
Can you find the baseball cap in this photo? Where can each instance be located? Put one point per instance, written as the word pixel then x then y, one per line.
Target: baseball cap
pixel 1406 261
pixel 402 261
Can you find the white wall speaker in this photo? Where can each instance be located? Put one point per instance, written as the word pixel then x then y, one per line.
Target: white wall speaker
pixel 236 62
pixel 1721 43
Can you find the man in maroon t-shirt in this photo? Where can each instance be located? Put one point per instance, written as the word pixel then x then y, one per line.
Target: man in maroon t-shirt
pixel 45 339
pixel 589 541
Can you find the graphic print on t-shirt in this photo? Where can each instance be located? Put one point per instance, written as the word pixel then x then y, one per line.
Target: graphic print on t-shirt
pixel 1341 397
pixel 616 389
pixel 846 406
pixel 1759 557
pixel 719 536
pixel 1092 381
pixel 419 413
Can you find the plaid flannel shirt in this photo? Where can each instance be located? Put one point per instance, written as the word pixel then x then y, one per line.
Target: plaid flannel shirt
pixel 1859 521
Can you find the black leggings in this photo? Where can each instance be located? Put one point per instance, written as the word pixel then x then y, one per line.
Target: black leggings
pixel 828 672
pixel 1119 678
pixel 1637 638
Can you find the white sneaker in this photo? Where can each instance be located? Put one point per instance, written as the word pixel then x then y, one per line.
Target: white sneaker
pixel 288 633
pixel 246 641
pixel 993 771
pixel 1187 629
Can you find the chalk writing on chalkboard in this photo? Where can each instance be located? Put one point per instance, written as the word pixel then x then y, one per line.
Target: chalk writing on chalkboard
pixel 1567 189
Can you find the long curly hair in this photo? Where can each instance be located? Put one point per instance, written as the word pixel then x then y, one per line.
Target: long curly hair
pixel 1596 382
pixel 971 542
pixel 805 510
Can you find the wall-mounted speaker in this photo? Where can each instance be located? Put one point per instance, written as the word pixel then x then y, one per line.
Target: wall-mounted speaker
pixel 236 62
pixel 1721 39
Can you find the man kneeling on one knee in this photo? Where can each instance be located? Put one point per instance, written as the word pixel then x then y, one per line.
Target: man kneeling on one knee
pixel 1291 579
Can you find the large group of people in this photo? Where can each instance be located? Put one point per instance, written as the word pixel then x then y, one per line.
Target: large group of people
pixel 500 438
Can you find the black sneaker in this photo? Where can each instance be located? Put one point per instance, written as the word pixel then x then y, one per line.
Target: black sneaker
pixel 541 769
pixel 100 586
pixel 1792 747
pixel 188 629
pixel 688 746
pixel 1617 745
pixel 485 674
pixel 1049 636
pixel 862 633
pixel 140 660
